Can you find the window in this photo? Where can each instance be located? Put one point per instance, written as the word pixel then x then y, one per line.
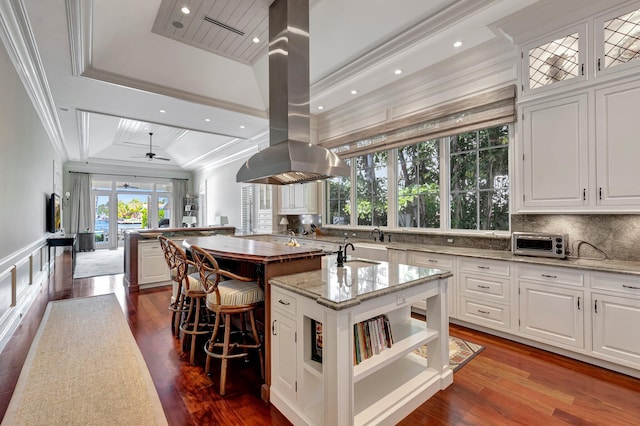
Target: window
pixel 479 179
pixel 339 199
pixel 371 189
pixel 419 185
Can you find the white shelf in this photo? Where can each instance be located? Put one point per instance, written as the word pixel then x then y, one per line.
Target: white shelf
pixel 314 368
pixel 407 336
pixel 385 392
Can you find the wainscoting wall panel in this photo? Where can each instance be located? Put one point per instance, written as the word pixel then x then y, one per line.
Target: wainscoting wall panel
pixel 21 277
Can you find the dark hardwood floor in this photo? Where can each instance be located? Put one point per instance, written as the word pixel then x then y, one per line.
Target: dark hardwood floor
pixel 508 383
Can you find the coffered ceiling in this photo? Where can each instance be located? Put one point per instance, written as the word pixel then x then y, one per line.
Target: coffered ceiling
pixel 112 71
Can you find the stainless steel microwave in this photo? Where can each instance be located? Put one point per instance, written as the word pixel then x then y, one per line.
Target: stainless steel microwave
pixel 539 244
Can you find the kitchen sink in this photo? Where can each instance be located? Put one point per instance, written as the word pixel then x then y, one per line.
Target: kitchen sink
pixel 360 263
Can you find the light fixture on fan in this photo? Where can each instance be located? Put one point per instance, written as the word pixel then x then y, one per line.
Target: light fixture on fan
pixel 152 155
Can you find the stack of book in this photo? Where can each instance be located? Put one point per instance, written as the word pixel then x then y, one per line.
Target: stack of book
pixel 371 337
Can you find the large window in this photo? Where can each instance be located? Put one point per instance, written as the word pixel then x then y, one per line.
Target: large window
pixel 479 179
pixel 371 189
pixel 419 185
pixel 339 200
pixel 474 177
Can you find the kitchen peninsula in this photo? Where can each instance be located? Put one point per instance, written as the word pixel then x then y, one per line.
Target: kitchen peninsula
pixel 317 320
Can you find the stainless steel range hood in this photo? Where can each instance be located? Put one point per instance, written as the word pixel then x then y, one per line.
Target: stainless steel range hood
pixel 290 157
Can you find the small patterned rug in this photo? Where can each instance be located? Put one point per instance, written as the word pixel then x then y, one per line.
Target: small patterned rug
pixel 460 352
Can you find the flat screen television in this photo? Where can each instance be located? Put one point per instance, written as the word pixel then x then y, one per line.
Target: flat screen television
pixel 54 213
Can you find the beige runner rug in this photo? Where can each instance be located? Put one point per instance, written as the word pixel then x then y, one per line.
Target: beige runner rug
pixel 84 368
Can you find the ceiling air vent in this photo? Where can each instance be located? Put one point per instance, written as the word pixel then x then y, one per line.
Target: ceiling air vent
pixel 223 25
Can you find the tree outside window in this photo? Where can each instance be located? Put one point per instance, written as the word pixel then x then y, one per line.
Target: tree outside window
pixel 339 199
pixel 419 185
pixel 371 189
pixel 479 179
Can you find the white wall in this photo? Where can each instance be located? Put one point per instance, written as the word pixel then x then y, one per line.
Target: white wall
pixel 223 192
pixel 26 165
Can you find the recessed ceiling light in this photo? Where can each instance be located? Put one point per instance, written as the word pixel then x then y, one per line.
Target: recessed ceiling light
pixel 457 44
pixel 398 71
pixel 320 107
pixel 242 126
pixel 207 120
pixel 185 10
pixel 354 92
pixel 162 111
pixel 179 25
pixel 256 40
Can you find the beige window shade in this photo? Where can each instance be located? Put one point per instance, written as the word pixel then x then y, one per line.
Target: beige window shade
pixel 478 112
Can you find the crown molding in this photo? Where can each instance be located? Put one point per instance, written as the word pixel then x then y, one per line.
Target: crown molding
pixel 80 29
pixel 407 38
pixel 18 39
pixel 82 118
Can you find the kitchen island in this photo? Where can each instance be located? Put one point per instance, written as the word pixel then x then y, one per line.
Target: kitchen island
pixel 261 260
pixel 318 318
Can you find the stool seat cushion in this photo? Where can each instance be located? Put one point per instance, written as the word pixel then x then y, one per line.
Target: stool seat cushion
pixel 236 293
pixel 194 283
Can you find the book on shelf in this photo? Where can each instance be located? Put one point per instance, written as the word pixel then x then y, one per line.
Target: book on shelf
pixel 371 337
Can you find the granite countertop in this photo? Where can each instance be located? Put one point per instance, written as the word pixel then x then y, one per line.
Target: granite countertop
pixel 359 280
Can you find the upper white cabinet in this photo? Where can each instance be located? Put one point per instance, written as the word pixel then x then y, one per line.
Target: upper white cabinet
pixel 298 198
pixel 555 61
pixel 555 153
pixel 617 145
pixel 617 40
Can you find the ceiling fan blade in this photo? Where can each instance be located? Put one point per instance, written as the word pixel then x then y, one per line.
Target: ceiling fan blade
pixel 161 158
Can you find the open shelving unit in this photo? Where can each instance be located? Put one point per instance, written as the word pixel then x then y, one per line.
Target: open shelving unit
pixel 383 388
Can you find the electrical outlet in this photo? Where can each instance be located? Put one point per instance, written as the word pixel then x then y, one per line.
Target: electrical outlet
pixel 401 299
pixel 450 240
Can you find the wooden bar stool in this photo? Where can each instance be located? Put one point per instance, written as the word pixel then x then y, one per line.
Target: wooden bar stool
pixel 229 294
pixel 196 319
pixel 173 257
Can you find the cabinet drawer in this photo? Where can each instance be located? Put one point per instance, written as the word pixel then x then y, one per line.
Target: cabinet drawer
pixel 429 260
pixel 485 266
pixel 625 284
pixel 283 302
pixel 551 275
pixel 485 313
pixel 479 285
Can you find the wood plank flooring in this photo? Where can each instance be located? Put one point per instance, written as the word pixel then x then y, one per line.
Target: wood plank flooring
pixel 508 383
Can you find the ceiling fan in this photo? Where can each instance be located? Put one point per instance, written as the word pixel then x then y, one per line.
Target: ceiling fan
pixel 152 155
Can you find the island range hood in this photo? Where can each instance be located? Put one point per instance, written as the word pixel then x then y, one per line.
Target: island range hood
pixel 290 156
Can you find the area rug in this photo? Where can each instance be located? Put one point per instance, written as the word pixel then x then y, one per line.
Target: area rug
pixel 460 352
pixel 84 368
pixel 99 262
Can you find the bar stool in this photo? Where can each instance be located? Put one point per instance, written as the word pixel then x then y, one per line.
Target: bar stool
pixel 229 294
pixel 173 257
pixel 196 317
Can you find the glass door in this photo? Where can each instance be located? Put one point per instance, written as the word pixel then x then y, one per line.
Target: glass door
pixel 102 226
pixel 133 213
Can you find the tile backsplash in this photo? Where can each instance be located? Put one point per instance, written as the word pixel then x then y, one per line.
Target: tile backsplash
pixel 617 235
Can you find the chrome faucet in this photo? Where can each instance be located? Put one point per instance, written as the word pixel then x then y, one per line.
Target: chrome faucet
pixel 380 234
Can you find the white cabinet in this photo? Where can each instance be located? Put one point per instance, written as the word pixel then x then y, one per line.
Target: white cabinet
pixel 555 154
pixel 437 261
pixel 617 145
pixel 152 266
pixel 615 314
pixel 264 215
pixel 616 40
pixel 284 374
pixel 552 305
pixel 484 289
pixel 298 198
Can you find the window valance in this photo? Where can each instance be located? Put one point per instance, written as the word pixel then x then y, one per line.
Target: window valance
pixel 477 112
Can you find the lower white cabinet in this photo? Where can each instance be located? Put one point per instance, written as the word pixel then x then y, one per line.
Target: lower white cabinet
pixel 615 313
pixel 552 314
pixel 152 266
pixel 284 345
pixel 484 289
pixel 431 260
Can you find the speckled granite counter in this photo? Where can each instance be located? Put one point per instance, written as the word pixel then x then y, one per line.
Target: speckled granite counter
pixel 343 287
pixel 631 268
